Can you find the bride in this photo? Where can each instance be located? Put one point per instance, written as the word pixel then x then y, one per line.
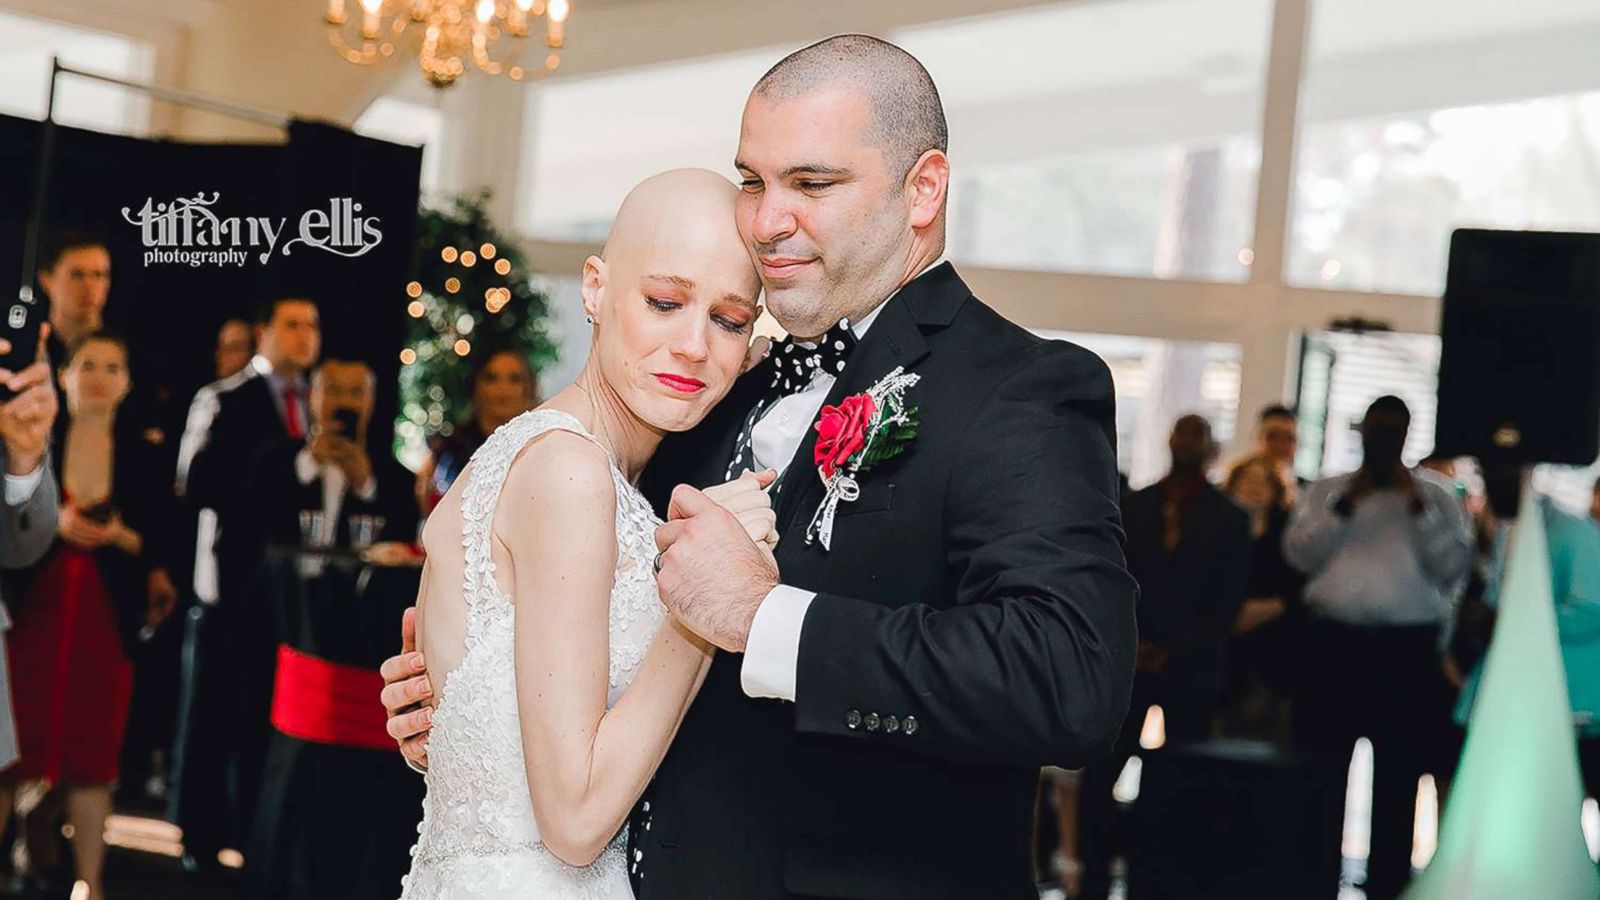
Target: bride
pixel 562 685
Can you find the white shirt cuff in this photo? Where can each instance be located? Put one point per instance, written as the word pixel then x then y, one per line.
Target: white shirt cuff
pixel 20 487
pixel 305 466
pixel 772 654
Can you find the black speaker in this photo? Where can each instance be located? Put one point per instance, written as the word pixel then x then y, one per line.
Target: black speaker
pixel 1519 369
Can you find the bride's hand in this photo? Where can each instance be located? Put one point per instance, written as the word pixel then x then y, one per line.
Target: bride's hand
pixel 759 349
pixel 746 497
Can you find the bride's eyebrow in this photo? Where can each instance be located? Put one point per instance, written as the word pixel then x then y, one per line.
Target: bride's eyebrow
pixel 674 280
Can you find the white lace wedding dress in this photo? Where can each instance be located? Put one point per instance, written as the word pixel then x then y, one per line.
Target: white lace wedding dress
pixel 478 839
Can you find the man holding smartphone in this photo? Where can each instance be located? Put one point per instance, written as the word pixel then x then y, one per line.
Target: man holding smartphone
pixel 1383 549
pixel 28 515
pixel 336 473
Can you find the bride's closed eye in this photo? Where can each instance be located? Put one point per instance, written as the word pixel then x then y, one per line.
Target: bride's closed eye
pixel 726 323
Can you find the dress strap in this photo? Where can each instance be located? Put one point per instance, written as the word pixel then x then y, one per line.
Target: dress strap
pixel 481 497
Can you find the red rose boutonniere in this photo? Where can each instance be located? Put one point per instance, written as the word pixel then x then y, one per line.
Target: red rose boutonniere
pixel 862 431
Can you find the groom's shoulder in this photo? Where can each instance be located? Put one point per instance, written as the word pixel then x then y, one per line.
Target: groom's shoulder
pixel 999 346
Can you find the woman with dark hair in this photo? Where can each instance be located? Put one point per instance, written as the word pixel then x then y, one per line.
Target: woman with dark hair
pixel 1257 677
pixel 86 600
pixel 503 387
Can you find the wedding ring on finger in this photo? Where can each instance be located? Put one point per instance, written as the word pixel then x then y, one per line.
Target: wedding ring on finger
pixel 657 563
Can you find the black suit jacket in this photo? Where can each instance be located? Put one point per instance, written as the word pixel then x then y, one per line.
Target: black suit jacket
pixel 976 592
pixel 276 496
pixel 247 425
pixel 1190 597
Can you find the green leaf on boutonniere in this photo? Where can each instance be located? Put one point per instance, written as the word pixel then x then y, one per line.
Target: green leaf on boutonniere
pixel 897 427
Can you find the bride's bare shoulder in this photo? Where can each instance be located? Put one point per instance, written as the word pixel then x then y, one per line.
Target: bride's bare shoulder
pixel 563 472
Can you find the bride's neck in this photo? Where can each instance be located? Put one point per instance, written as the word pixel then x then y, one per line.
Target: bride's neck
pixel 630 439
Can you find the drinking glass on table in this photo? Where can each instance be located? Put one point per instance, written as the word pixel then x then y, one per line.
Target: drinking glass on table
pixel 364 530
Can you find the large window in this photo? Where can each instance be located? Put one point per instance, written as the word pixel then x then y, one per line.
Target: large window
pixel 594 138
pixel 1107 137
pixel 408 122
pixel 1450 114
pixel 26 47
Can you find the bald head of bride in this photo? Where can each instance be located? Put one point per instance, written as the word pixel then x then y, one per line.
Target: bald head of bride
pixel 673 299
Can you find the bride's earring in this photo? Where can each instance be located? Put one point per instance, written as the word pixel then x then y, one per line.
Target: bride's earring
pixel 589 319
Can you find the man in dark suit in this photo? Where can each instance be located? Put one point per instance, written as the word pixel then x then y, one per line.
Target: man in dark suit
pixel 229 646
pixel 335 473
pixel 877 729
pixel 1189 549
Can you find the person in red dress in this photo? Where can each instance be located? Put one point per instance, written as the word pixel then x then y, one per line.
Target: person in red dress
pixel 71 677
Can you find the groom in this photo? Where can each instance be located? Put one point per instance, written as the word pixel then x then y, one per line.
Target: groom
pixel 876 728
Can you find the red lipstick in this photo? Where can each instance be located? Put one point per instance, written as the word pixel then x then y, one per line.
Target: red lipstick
pixel 683 384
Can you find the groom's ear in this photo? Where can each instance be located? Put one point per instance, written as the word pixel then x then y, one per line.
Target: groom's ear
pixel 926 185
pixel 594 284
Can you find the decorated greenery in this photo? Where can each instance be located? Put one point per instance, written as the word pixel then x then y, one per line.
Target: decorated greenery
pixel 471 295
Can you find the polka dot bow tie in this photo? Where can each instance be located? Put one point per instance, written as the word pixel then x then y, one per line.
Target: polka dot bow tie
pixel 796 364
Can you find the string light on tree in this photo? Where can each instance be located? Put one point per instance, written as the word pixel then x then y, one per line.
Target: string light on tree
pixel 444 309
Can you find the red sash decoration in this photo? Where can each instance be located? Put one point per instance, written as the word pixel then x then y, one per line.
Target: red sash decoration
pixel 328 703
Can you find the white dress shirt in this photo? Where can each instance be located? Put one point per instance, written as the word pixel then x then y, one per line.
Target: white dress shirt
pixel 196 431
pixel 1382 565
pixel 307 470
pixel 772 651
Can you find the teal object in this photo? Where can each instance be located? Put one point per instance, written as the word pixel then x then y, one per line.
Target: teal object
pixel 1575 588
pixel 1511 827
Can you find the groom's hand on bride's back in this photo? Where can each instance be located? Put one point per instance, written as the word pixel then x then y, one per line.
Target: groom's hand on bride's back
pixel 408 695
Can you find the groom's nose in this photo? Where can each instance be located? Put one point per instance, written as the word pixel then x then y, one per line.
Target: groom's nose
pixel 775 219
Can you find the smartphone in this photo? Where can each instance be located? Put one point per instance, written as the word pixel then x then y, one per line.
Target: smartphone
pixel 21 328
pixel 349 420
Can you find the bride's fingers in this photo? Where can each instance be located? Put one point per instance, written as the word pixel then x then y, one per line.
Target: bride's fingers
pixel 744 501
pixel 758 523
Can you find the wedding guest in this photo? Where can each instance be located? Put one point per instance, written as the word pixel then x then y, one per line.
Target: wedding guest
pixel 1263 651
pixel 236 345
pixel 75 275
pixel 337 473
pixel 1384 549
pixel 86 600
pixel 1189 550
pixel 1278 438
pixel 229 646
pixel 503 385
pixel 29 515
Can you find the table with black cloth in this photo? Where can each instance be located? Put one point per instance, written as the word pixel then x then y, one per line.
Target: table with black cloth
pixel 338 812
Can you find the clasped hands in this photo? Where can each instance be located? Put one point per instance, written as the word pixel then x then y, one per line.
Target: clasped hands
pixel 715 568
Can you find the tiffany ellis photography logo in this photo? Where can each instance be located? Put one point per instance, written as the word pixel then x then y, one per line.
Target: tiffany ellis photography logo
pixel 188 232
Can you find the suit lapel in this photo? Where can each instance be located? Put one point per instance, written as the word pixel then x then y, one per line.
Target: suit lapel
pixel 894 339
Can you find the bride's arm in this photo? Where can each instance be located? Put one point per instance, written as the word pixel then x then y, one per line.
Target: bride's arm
pixel 586 766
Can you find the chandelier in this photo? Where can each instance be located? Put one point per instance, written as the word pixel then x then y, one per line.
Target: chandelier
pixel 447 33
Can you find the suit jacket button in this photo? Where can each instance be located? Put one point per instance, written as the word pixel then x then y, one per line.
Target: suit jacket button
pixel 871 720
pixel 910 725
pixel 852 719
pixel 890 724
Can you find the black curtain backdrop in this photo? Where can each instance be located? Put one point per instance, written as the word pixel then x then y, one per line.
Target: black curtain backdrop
pixel 170 312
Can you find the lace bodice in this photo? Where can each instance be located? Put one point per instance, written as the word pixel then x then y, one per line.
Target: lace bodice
pixel 478 836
